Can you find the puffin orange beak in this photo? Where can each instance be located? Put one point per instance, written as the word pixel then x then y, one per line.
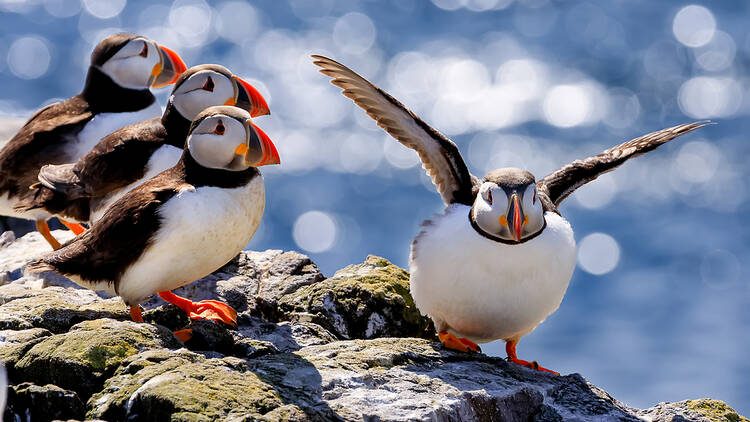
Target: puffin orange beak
pixel 517 221
pixel 168 69
pixel 269 155
pixel 250 99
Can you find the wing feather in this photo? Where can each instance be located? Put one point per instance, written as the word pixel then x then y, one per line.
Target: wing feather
pixel 440 156
pixel 561 183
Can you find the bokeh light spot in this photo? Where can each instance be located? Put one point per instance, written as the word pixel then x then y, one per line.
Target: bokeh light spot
pixel 567 106
pixel 694 26
pixel 104 9
pixel 314 231
pixel 354 33
pixel 29 57
pixel 598 253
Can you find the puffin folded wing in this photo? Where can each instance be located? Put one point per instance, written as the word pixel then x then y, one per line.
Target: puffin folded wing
pixel 561 183
pixel 440 156
pixel 103 253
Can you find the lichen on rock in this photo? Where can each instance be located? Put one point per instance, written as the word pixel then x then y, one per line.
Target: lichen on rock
pixel 367 300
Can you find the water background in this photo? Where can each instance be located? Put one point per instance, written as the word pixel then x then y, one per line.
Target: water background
pixel 659 306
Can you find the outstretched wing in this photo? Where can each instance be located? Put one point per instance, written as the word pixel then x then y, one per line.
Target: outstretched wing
pixel 439 155
pixel 561 183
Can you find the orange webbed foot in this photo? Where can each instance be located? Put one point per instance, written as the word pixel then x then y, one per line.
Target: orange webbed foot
pixel 184 335
pixel 215 311
pixel 461 344
pixel 206 309
pixel 510 349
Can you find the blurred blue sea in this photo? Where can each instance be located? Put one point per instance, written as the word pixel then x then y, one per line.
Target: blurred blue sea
pixel 659 306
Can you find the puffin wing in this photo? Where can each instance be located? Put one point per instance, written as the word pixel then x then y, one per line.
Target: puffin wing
pixel 440 156
pixel 61 178
pixel 105 251
pixel 561 183
pixel 20 158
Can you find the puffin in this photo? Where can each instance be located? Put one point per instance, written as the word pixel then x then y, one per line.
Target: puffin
pixel 497 262
pixel 116 93
pixel 122 160
pixel 146 242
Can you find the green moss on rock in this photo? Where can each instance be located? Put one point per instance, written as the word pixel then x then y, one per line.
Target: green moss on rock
pixel 367 300
pixel 83 358
pixel 182 386
pixel 715 410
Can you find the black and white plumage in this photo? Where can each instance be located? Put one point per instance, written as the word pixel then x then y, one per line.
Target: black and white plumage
pixel 184 223
pixel 124 159
pixel 498 261
pixel 116 93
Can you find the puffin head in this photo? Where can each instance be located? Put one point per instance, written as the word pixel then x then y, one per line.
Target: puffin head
pixel 224 137
pixel 209 85
pixel 507 209
pixel 136 62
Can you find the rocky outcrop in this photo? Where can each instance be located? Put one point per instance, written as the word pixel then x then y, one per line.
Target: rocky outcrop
pixel 308 348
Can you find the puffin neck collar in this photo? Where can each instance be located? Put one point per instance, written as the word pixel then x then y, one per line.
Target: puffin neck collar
pixel 105 96
pixel 177 126
pixel 479 230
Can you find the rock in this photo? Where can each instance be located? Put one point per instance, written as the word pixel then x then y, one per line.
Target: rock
pixel 306 348
pixel 83 358
pixel 13 344
pixel 162 385
pixel 56 308
pixel 704 410
pixel 368 300
pixel 285 336
pixel 46 402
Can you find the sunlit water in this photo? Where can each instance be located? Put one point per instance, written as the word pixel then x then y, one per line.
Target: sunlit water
pixel 659 307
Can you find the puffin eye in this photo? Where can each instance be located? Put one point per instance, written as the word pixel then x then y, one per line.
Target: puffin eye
pixel 219 128
pixel 489 197
pixel 144 50
pixel 209 85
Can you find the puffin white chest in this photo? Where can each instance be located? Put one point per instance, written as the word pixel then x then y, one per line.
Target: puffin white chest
pixel 162 159
pixel 105 123
pixel 201 230
pixel 485 290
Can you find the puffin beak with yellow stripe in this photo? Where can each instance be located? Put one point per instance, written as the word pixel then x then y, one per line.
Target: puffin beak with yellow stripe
pixel 498 261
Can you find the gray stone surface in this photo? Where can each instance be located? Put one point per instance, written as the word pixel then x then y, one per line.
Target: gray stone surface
pixel 307 348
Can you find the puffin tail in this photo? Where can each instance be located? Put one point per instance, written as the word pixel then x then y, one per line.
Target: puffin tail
pixel 42 195
pixel 39 266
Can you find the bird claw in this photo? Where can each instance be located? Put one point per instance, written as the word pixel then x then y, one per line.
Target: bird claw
pixel 461 344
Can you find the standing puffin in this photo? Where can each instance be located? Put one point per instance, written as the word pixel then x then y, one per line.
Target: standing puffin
pixel 122 160
pixel 147 243
pixel 498 261
pixel 116 93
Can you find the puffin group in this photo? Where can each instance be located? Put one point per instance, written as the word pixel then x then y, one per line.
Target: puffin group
pixel 169 197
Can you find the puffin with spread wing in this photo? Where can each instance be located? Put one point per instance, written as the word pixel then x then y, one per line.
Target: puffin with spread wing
pixel 498 261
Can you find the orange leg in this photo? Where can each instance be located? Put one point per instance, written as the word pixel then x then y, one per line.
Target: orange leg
pixel 207 309
pixel 74 227
pixel 43 228
pixel 135 313
pixel 510 349
pixel 461 344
